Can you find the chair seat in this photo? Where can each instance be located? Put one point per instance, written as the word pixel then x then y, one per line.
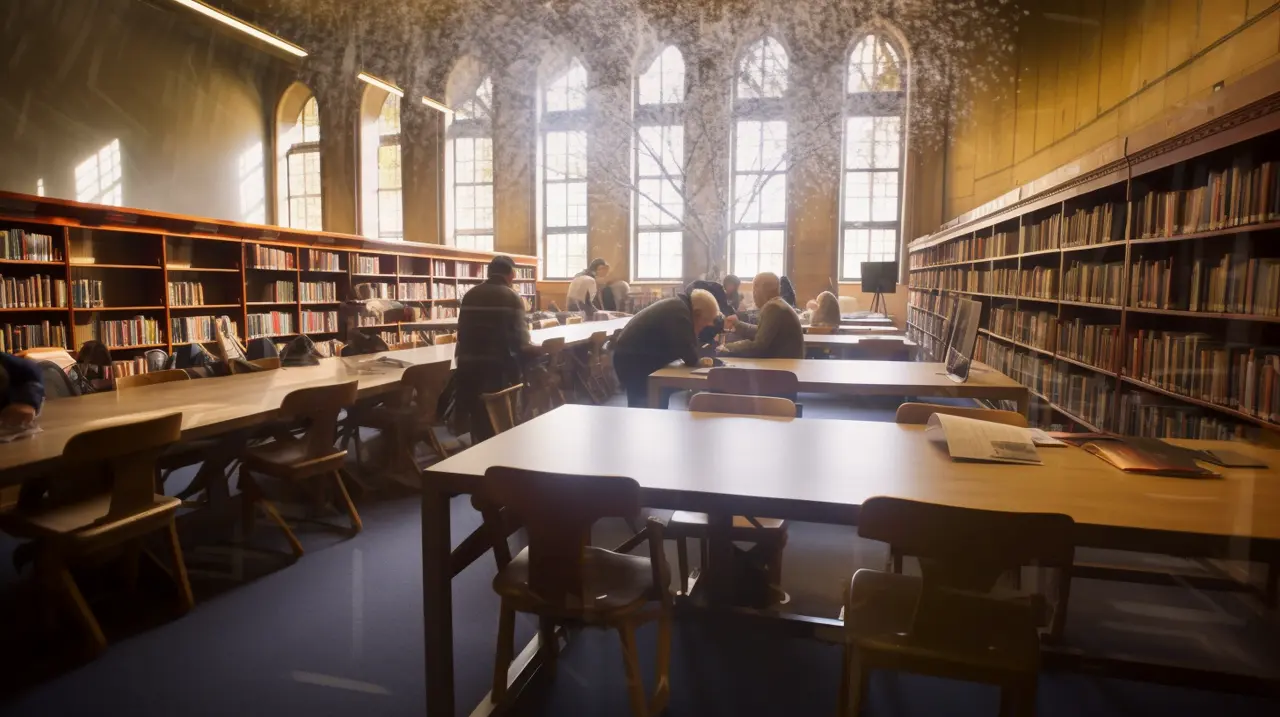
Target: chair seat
pixel 684 522
pixel 612 582
pixel 983 634
pixel 83 520
pixel 287 458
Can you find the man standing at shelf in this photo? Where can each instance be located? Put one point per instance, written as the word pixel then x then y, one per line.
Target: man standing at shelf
pixel 493 344
pixel 778 333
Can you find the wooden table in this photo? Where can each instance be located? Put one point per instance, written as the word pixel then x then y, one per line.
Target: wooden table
pixel 859 378
pixel 877 320
pixel 804 471
pixel 847 345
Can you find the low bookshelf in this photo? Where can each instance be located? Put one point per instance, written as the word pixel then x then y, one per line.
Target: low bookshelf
pixel 138 280
pixel 1142 298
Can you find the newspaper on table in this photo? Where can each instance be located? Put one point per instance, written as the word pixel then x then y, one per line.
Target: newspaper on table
pixel 970 439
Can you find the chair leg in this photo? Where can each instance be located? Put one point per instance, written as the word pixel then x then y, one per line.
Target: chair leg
pixel 547 636
pixel 180 568
pixel 60 579
pixel 355 432
pixel 682 561
pixel 274 515
pixel 505 653
pixel 631 661
pixel 356 525
pixel 436 444
pixel 662 691
pixel 852 683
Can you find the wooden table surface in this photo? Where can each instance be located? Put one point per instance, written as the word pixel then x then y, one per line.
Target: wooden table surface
pixel 880 320
pixel 828 340
pixel 859 378
pixel 820 469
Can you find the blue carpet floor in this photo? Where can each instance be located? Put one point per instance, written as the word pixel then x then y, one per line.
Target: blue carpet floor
pixel 340 633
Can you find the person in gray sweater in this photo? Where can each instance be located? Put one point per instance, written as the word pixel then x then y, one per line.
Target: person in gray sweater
pixel 778 333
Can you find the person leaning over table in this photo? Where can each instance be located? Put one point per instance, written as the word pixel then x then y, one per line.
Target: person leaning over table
pixel 584 290
pixel 662 332
pixel 21 390
pixel 493 344
pixel 778 333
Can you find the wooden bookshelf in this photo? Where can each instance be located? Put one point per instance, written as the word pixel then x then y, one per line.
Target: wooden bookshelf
pixel 132 259
pixel 1193 219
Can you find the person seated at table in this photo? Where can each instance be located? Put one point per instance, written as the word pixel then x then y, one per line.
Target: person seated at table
pixel 778 333
pixel 584 290
pixel 493 344
pixel 614 296
pixel 788 292
pixel 21 390
pixel 827 310
pixel 732 292
pixel 664 331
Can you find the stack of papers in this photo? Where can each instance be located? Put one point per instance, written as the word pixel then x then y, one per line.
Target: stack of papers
pixel 969 439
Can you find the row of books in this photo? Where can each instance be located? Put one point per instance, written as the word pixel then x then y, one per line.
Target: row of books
pixel 276 291
pixel 129 367
pixel 441 268
pixel 186 293
pixel 1085 395
pixel 1241 377
pixel 470 269
pixel 328 347
pixel 319 321
pixel 444 312
pixel 935 325
pixel 932 301
pixel 1040 282
pixel 1045 234
pixel 21 245
pixel 1239 286
pixel 1033 328
pixel 20 337
pixel 32 292
pixel 367 265
pixel 1097 225
pixel 441 290
pixel 272 323
pixel 320 260
pixel 86 293
pixel 317 291
pixel 1151 416
pixel 195 329
pixel 525 272
pixel 1094 344
pixel 1093 283
pixel 266 257
pixel 415 291
pixel 1242 194
pixel 972 248
pixel 526 288
pixel 137 331
pixel 376 290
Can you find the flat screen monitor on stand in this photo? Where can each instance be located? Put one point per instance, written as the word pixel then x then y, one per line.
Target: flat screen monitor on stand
pixel 879 278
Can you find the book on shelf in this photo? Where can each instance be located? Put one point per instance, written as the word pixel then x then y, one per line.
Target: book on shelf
pixel 21 245
pixel 1093 282
pixel 186 293
pixel 272 323
pixel 469 269
pixel 525 272
pixel 1147 414
pixel 318 291
pixel 319 321
pixel 193 329
pixel 366 264
pixel 266 257
pixel 1244 378
pixel 375 290
pixel 136 331
pixel 1236 286
pixel 1151 284
pixel 1094 344
pixel 442 290
pixel 87 293
pixel 1097 225
pixel 41 291
pixel 1040 282
pixel 129 367
pixel 414 291
pixel 1045 234
pixel 320 260
pixel 20 337
pixel 1237 196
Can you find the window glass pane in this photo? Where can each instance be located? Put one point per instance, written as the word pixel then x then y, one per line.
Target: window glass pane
pixel 762 70
pixel 389 117
pixel 484 206
pixel 483 147
pixel 771 251
pixel 389 166
pixel 663 82
pixel 672 255
pixel 874 67
pixel 557 260
pixel 773 145
pixel 568 91
pixel 888 139
pixel 557 205
pixel 577 250
pixel 576 164
pixel 309 119
pixel 390 222
pixel 311 170
pixel 857 196
pixel 297 175
pixel 773 200
pixel 576 210
pixel 748 147
pixel 648 255
pixel 884 196
pixel 477 107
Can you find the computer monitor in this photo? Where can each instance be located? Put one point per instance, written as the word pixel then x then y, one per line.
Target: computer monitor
pixel 879 277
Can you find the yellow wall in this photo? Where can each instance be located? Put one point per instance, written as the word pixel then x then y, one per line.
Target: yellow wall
pixel 1090 71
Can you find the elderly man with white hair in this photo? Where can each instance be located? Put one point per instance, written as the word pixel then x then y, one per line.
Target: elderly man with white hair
pixel 662 332
pixel 778 335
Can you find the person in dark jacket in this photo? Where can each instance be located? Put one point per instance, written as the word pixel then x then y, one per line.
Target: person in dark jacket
pixel 787 291
pixel 778 333
pixel 662 332
pixel 21 390
pixel 733 293
pixel 493 344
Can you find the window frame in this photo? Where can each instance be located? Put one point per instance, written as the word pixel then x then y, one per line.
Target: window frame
pixel 874 104
pixel 302 148
pixel 473 128
pixel 382 193
pixel 661 115
pixel 762 110
pixel 566 121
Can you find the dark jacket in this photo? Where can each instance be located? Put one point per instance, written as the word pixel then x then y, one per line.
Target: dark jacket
pixel 493 338
pixel 778 335
pixel 661 333
pixel 25 385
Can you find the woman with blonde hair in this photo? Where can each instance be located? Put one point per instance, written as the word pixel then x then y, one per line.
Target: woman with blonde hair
pixel 828 311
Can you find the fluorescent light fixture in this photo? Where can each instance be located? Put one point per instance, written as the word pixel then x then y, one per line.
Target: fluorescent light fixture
pixel 380 84
pixel 437 105
pixel 243 26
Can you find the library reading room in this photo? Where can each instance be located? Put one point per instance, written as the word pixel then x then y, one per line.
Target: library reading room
pixel 567 358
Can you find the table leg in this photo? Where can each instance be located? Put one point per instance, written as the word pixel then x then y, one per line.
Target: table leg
pixel 720 572
pixel 437 600
pixel 655 394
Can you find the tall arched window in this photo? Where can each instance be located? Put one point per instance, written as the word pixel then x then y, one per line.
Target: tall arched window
pixel 302 164
pixel 659 169
pixel 759 189
pixel 563 125
pixel 390 183
pixel 471 146
pixel 875 111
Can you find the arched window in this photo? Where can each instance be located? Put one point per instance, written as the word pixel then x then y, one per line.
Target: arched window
pixel 759 188
pixel 302 206
pixel 874 138
pixel 471 147
pixel 563 127
pixel 390 183
pixel 659 169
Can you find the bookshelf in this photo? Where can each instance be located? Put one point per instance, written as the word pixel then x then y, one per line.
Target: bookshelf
pixel 138 280
pixel 1142 297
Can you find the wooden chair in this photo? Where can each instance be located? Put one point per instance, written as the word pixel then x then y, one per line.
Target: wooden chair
pixel 81 528
pixel 571 320
pixel 563 580
pixel 269 363
pixel 57 384
pixel 918 414
pixel 946 623
pixel 410 415
pixel 768 533
pixel 300 458
pixel 543 387
pixel 503 408
pixel 820 330
pixel 886 349
pixel 590 369
pixel 443 339
pixel 753 382
pixel 153 377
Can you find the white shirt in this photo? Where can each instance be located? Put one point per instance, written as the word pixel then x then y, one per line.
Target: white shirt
pixel 582 290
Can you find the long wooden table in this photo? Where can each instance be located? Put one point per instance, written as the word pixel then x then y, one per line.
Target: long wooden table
pixel 858 378
pixel 804 471
pixel 848 346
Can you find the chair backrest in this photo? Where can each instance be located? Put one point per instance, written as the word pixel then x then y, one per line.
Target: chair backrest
pixel 548 323
pixel 157 359
pixel 573 320
pixel 967 548
pixel 742 405
pixel 753 382
pixel 320 406
pixel 57 384
pixel 557 512
pixel 127 454
pixel 151 377
pixel 267 363
pixel 553 347
pixel 820 330
pixel 886 349
pixel 425 382
pixel 595 344
pixel 446 339
pixel 501 407
pixel 918 414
